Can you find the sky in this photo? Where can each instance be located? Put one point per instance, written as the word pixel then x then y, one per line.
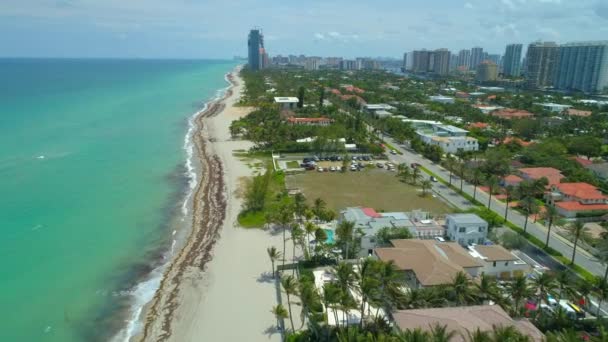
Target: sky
pixel 348 28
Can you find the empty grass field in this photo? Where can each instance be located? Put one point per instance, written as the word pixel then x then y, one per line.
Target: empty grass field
pixel 375 188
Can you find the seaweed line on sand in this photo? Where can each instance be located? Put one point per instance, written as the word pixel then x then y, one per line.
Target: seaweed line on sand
pixel 209 212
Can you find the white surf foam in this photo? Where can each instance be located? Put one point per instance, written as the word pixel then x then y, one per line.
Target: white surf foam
pixel 143 292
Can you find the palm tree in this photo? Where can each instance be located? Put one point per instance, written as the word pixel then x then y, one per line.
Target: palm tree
pixel 461 168
pixel 564 335
pixel 318 207
pixel 299 206
pixel 508 333
pixel 460 289
pixel 310 229
pixel 404 172
pixel 297 235
pixel 551 215
pixel 450 164
pixel 425 185
pixel 416 335
pixel 492 183
pixel 274 255
pixel 440 333
pixel 601 290
pixel 290 287
pixel 509 190
pixel 279 313
pixel 416 175
pixel 478 336
pixel 345 276
pixel 344 233
pixel 284 218
pixel 602 255
pixel 563 280
pixel 528 204
pixel 331 299
pixel 519 290
pixel 487 288
pixel 368 285
pixel 544 285
pixel 477 174
pixel 577 230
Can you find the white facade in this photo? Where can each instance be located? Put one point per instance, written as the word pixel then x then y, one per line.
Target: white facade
pixel 449 138
pixel 554 107
pixel 286 102
pixel 498 262
pixel 466 229
pixel 441 99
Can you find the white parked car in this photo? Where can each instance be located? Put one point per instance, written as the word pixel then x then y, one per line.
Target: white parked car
pixel 320 169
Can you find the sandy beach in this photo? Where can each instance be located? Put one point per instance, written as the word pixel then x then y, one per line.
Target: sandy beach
pixel 216 288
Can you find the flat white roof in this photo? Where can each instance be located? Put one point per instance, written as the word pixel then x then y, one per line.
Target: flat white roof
pixel 286 99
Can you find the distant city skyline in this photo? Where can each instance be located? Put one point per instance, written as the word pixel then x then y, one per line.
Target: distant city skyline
pixel 215 29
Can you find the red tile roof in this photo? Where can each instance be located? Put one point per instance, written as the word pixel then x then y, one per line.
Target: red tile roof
pixel 462 94
pixel 553 175
pixel 582 161
pixel 580 190
pixel 510 113
pixel 577 206
pixel 370 212
pixel 480 125
pixel 353 89
pixel 491 97
pixel 518 141
pixel 335 92
pixel 513 179
pixel 577 112
pixel 348 97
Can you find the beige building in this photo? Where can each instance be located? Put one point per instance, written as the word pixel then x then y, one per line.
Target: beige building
pixel 487 71
pixel 499 262
pixel 463 319
pixel 429 262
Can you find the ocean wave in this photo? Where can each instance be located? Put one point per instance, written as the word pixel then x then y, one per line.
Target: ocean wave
pixel 144 291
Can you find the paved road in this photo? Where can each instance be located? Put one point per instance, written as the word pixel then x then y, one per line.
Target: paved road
pixel 559 243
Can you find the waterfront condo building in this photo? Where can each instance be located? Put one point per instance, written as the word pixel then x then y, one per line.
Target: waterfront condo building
pixel 540 64
pixel 464 59
pixel 477 57
pixel 487 71
pixel 512 60
pixel 256 52
pixel 582 66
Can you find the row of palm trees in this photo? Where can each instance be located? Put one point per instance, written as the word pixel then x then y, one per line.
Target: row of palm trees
pixel 527 193
pixel 413 176
pixel 378 286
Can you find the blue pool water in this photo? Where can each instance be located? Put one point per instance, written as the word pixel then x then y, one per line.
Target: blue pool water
pixel 330 236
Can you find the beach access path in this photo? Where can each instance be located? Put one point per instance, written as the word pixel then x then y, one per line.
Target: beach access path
pixel 231 299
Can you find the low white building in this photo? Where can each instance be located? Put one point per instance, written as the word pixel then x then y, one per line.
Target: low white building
pixel 499 262
pixel 451 139
pixel 466 229
pixel 554 107
pixel 441 99
pixel 373 107
pixel 286 103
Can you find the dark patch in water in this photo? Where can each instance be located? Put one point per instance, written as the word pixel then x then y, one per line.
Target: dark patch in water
pixel 109 319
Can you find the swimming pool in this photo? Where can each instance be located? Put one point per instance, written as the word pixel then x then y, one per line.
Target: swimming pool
pixel 330 236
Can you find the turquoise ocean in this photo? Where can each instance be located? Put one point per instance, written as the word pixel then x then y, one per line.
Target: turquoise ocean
pixel 93 173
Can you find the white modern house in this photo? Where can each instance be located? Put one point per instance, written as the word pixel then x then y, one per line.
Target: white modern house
pixel 369 222
pixel 554 107
pixel 466 229
pixel 499 262
pixel 286 103
pixel 450 138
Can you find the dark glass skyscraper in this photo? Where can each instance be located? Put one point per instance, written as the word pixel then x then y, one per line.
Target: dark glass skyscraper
pixel 582 66
pixel 255 45
pixel 511 64
pixel 541 59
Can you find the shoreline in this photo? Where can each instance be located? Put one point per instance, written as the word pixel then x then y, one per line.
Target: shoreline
pixel 208 211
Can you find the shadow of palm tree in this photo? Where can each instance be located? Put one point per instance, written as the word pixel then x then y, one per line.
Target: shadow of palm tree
pixel 265 277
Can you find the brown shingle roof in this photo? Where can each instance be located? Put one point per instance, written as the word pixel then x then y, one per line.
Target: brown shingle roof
pixel 495 253
pixel 433 263
pixel 461 319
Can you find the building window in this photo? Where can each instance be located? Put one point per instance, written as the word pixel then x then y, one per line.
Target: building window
pixel 494 264
pixel 462 229
pixel 506 263
pixel 481 229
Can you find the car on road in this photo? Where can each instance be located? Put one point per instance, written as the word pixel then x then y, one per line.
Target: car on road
pixel 393 152
pixel 433 179
pixel 380 165
pixel 414 165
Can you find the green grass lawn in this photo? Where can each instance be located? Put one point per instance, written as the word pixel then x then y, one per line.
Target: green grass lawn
pixel 375 188
pixel 292 164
